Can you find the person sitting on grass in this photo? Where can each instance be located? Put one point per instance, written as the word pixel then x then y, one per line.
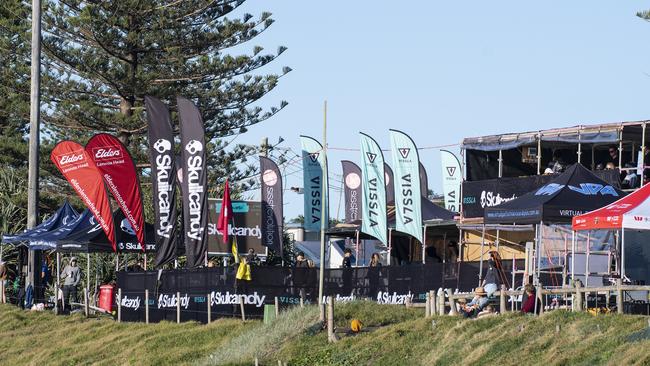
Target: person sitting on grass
pixel 528 303
pixel 477 304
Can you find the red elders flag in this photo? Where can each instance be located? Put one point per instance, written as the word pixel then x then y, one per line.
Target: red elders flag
pixel 80 170
pixel 117 168
pixel 226 213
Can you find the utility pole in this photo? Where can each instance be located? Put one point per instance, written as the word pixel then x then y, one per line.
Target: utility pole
pixel 34 136
pixel 323 217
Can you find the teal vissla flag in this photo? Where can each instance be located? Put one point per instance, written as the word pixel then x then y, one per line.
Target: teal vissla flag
pixel 373 188
pixel 315 185
pixel 451 180
pixel 406 168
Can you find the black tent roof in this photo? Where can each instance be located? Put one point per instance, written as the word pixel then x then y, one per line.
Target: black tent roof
pixel 430 212
pixel 93 239
pixel 572 193
pixel 62 217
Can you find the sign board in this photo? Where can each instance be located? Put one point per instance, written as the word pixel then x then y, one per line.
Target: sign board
pixel 247 228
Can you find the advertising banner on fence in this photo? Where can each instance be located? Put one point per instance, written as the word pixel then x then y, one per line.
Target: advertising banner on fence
pixel 408 206
pixel 215 288
pixel 114 161
pixel 315 184
pixel 194 182
pixel 163 179
pixel 451 180
pixel 247 227
pixel 78 168
pixel 352 190
pixel 272 206
pixel 373 199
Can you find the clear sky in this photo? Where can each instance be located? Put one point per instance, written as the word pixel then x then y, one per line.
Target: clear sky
pixel 441 71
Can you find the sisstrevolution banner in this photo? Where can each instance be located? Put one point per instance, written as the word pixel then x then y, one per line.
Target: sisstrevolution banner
pixel 78 168
pixel 408 206
pixel 374 190
pixel 114 161
pixel 315 185
pixel 272 213
pixel 390 186
pixel 451 180
pixel 424 182
pixel 163 178
pixel 194 182
pixel 352 190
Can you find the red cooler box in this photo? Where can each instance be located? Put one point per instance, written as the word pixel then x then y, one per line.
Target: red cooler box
pixel 106 297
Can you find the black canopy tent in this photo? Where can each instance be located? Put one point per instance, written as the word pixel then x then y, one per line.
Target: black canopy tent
pixel 572 193
pixel 93 239
pixel 433 217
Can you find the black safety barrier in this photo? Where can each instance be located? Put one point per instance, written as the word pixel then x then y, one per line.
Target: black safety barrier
pixel 219 287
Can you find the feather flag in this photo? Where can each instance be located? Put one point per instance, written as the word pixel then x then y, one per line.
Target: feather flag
pixel 225 217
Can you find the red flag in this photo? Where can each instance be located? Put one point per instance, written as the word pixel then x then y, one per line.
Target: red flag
pixel 113 160
pixel 80 170
pixel 226 213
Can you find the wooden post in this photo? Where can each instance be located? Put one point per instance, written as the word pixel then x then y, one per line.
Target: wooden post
pixel 302 302
pixel 178 307
pixel 119 305
pixel 441 301
pixel 452 302
pixel 241 307
pixel 331 337
pixel 619 296
pixel 502 300
pixel 432 303
pixel 209 300
pixel 427 306
pixel 577 299
pixel 146 306
pixel 86 310
pixel 277 307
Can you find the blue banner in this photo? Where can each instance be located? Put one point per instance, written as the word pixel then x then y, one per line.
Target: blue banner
pixel 406 166
pixel 373 197
pixel 315 185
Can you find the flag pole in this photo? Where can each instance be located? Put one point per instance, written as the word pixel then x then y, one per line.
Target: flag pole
pixel 323 211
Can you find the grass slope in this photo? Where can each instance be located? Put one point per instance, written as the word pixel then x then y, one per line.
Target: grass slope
pixel 401 337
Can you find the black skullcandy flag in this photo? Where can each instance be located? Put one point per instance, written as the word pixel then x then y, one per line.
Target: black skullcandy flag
pixel 352 190
pixel 272 218
pixel 163 176
pixel 194 182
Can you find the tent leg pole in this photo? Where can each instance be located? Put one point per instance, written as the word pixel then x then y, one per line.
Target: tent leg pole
pixel 356 264
pixel 573 255
pixel 587 259
pixel 390 244
pixel 58 283
pixel 540 246
pixel 87 275
pixel 145 261
pixel 424 241
pixel 622 252
pixel 480 266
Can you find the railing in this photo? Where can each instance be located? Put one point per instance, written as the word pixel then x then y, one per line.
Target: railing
pixel 438 302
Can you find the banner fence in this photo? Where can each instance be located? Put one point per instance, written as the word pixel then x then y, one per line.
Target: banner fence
pixel 218 287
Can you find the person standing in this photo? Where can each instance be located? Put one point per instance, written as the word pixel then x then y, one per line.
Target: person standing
pixel 71 275
pixel 374 275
